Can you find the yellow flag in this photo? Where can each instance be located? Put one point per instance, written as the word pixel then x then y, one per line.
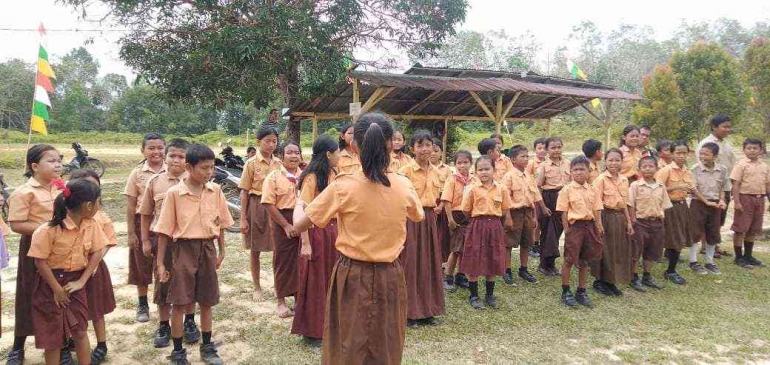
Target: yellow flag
pixel 44 68
pixel 37 124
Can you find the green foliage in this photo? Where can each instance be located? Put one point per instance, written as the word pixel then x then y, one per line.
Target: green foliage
pixel 756 65
pixel 16 92
pixel 661 109
pixel 493 50
pixel 710 83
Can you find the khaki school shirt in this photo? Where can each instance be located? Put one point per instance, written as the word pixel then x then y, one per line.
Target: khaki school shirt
pixel 650 200
pixel 710 182
pixel 67 248
pixel 579 202
pixel 674 175
pixel 184 215
pixel 612 191
pixel 155 193
pixel 32 202
pixel 349 161
pixel 280 189
pixel 454 188
pixel 137 181
pixel 629 167
pixel 753 175
pixel 256 170
pixel 425 182
pixel 555 174
pixel 481 200
pixel 524 192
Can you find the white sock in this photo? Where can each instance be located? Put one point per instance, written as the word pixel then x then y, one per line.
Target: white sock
pixel 710 249
pixel 693 253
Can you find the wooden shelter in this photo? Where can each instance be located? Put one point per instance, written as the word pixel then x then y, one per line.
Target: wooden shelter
pixel 446 94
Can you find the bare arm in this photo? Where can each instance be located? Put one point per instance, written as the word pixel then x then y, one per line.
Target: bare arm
pixel 145 223
pixel 221 244
pixel 244 197
pixel 564 221
pixel 160 267
pixel 736 195
pixel 133 238
pixel 278 219
pixel 59 295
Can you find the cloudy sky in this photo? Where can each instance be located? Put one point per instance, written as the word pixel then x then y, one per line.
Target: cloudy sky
pixel 550 20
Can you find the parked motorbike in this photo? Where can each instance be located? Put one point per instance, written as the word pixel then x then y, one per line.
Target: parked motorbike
pixel 229 183
pixel 83 161
pixel 230 159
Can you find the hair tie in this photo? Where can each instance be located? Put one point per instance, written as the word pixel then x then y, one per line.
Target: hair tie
pixel 62 186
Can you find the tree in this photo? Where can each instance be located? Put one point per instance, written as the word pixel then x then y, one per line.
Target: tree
pixel 756 65
pixel 494 50
pixel 661 109
pixel 710 83
pixel 77 106
pixel 16 91
pixel 238 51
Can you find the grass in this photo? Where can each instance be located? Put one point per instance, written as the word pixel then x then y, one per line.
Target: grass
pixel 711 319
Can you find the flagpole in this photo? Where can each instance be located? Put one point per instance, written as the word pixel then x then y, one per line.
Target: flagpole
pixel 32 108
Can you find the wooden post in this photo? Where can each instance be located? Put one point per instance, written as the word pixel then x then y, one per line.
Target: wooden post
pixel 607 123
pixel 315 128
pixel 499 113
pixel 356 97
pixel 444 139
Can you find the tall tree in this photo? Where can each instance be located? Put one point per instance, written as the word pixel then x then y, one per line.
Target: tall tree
pixel 493 50
pixel 238 51
pixel 661 109
pixel 756 64
pixel 16 89
pixel 77 106
pixel 710 83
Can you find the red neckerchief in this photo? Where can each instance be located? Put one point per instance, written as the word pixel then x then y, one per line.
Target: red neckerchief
pixel 462 179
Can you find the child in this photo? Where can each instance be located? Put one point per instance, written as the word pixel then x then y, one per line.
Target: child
pixel 592 149
pixel 442 222
pixel 250 152
pixel 751 182
pixel 101 298
pixel 348 157
pixel 540 154
pixel 399 158
pixel 524 198
pixel 647 202
pixel 367 283
pixel 679 184
pixel 502 162
pixel 190 231
pixel 612 193
pixel 452 198
pixel 254 219
pixel 66 252
pixel 664 153
pixel 29 206
pixel 485 202
pixel 279 198
pixel 149 208
pixel 629 145
pixel 710 180
pixel 552 176
pixel 583 231
pixel 421 256
pixel 139 266
pixel 317 254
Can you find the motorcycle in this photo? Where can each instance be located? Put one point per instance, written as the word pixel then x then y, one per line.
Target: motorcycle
pixel 230 160
pixel 229 183
pixel 83 161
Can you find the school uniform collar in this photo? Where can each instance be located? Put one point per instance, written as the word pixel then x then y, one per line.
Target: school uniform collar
pixel 674 166
pixel 495 184
pixel 288 174
pixel 416 167
pixel 717 167
pixel 584 185
pixel 37 185
pixel 146 167
pixel 261 158
pixel 592 165
pixel 608 175
pixel 554 163
pixel 345 153
pixel 712 138
pixel 69 224
pixel 184 190
pixel 653 184
pixel 175 178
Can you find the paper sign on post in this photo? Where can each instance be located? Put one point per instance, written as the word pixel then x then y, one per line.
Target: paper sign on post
pixel 355 109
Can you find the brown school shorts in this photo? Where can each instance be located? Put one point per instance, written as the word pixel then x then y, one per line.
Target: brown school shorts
pixel 193 273
pixel 749 220
pixel 521 234
pixel 648 239
pixel 705 220
pixel 581 244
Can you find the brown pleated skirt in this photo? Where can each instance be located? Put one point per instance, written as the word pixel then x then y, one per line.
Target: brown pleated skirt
pixel 615 264
pixel 140 266
pixel 457 238
pixel 25 284
pixel 678 233
pixel 285 259
pixel 444 237
pixel 550 227
pixel 259 238
pixel 484 251
pixel 101 298
pixel 365 321
pixel 421 259
pixel 314 276
pixel 55 325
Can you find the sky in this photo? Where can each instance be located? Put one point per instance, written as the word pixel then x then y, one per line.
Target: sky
pixel 550 20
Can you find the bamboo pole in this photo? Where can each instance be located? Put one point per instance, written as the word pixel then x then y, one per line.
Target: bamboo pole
pixel 444 139
pixel 607 123
pixel 498 113
pixel 315 128
pixel 482 105
pixel 548 127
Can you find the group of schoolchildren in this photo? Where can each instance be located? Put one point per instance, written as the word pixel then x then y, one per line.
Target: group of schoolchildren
pixel 473 214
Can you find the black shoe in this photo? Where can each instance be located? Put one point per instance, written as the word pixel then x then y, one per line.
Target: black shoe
pixel 178 357
pixel 675 278
pixel 449 284
pixel 698 269
pixel 742 262
pixel 476 303
pixel 209 354
pixel 15 357
pixel 312 342
pixel 462 281
pixel 191 332
pixel 554 271
pixel 143 313
pixel 650 281
pixel 543 271
pixel 527 276
pixel 65 356
pixel 754 262
pixel 98 355
pixel 533 252
pixel 508 279
pixel 636 284
pixel 412 323
pixel 601 287
pixel 582 298
pixel 569 299
pixel 430 321
pixel 713 269
pixel 163 336
pixel 614 289
pixel 492 301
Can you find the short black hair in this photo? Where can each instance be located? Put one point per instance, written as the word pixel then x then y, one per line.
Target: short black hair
pixel 538 141
pixel 251 149
pixel 266 131
pixel 754 141
pixel 579 160
pixel 420 136
pixel 613 150
pixel 282 148
pixel 550 140
pixel 719 119
pixel 516 150
pixel 177 143
pixel 437 142
pixel 663 144
pixel 711 146
pixel 486 145
pixel 590 147
pixel 484 158
pixel 497 136
pixel 679 143
pixel 273 110
pixel 197 153
pixel 464 153
pixel 150 137
pixel 648 158
pixel 645 126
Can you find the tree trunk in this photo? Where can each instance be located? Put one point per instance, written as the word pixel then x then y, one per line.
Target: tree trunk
pixel 287 84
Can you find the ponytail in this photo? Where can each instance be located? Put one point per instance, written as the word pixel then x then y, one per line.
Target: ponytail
pixel 372 132
pixel 73 195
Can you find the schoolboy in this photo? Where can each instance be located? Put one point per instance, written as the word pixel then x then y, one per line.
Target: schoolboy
pixel 592 149
pixel 751 183
pixel 706 209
